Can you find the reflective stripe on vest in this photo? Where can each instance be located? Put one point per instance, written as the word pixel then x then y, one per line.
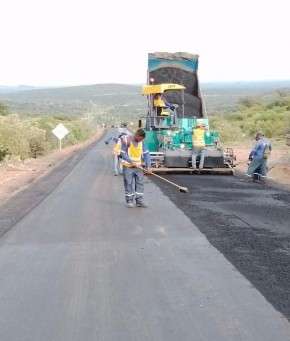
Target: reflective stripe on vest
pixel 135 154
pixel 198 138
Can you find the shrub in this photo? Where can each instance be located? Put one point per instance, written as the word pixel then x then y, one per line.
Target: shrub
pixel 248 102
pixel 13 136
pixel 3 150
pixel 271 118
pixel 37 142
pixel 4 109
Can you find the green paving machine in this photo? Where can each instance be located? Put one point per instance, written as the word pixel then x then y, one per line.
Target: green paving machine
pixel 169 128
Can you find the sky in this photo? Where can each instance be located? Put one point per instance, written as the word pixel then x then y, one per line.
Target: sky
pixel 81 42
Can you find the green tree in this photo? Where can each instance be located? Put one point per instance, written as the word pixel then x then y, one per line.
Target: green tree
pixel 4 109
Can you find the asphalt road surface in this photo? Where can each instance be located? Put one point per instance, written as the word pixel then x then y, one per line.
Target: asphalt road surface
pixel 77 264
pixel 249 223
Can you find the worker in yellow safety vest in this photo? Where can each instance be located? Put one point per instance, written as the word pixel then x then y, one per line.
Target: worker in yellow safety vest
pixel 165 108
pixel 133 152
pixel 117 164
pixel 198 142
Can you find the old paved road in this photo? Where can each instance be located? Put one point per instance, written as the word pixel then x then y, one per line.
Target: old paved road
pixel 76 264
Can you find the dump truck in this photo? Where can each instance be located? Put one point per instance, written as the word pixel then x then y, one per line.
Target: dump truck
pixel 170 143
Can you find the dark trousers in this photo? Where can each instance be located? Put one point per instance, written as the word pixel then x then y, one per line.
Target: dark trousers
pixel 133 183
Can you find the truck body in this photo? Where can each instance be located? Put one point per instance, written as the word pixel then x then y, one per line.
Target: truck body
pixel 175 76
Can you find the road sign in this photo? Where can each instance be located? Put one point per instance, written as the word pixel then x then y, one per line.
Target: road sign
pixel 60 131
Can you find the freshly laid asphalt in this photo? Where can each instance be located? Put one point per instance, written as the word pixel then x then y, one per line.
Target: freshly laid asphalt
pixel 77 264
pixel 249 223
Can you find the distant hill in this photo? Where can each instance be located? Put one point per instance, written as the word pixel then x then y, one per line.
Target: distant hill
pixel 261 85
pixel 119 100
pixel 98 93
pixel 225 96
pixel 218 97
pixel 13 89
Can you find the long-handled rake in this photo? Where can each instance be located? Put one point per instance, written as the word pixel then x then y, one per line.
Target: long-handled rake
pixel 181 188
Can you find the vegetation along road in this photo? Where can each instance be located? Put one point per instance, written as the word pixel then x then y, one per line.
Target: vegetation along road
pixel 77 264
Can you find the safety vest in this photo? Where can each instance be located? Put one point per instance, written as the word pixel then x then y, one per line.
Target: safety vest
pixel 158 102
pixel 198 138
pixel 118 145
pixel 134 153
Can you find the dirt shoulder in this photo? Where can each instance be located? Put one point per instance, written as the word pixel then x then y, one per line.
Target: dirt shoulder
pixel 278 164
pixel 18 175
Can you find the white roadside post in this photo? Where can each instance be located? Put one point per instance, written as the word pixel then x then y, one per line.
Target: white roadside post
pixel 60 132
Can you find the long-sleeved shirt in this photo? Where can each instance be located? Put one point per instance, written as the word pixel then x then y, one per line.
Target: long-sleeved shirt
pixel 145 151
pixel 112 138
pixel 257 153
pixel 168 104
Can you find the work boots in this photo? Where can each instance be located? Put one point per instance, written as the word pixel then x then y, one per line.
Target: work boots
pixel 141 203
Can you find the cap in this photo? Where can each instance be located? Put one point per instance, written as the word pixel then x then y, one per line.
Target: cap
pixel 259 133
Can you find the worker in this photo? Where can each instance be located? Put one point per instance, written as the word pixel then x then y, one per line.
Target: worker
pixel 258 158
pixel 133 152
pixel 169 108
pixel 117 164
pixel 198 143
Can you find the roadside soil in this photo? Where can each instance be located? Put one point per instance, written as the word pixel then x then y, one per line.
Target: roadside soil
pixel 16 176
pixel 278 165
